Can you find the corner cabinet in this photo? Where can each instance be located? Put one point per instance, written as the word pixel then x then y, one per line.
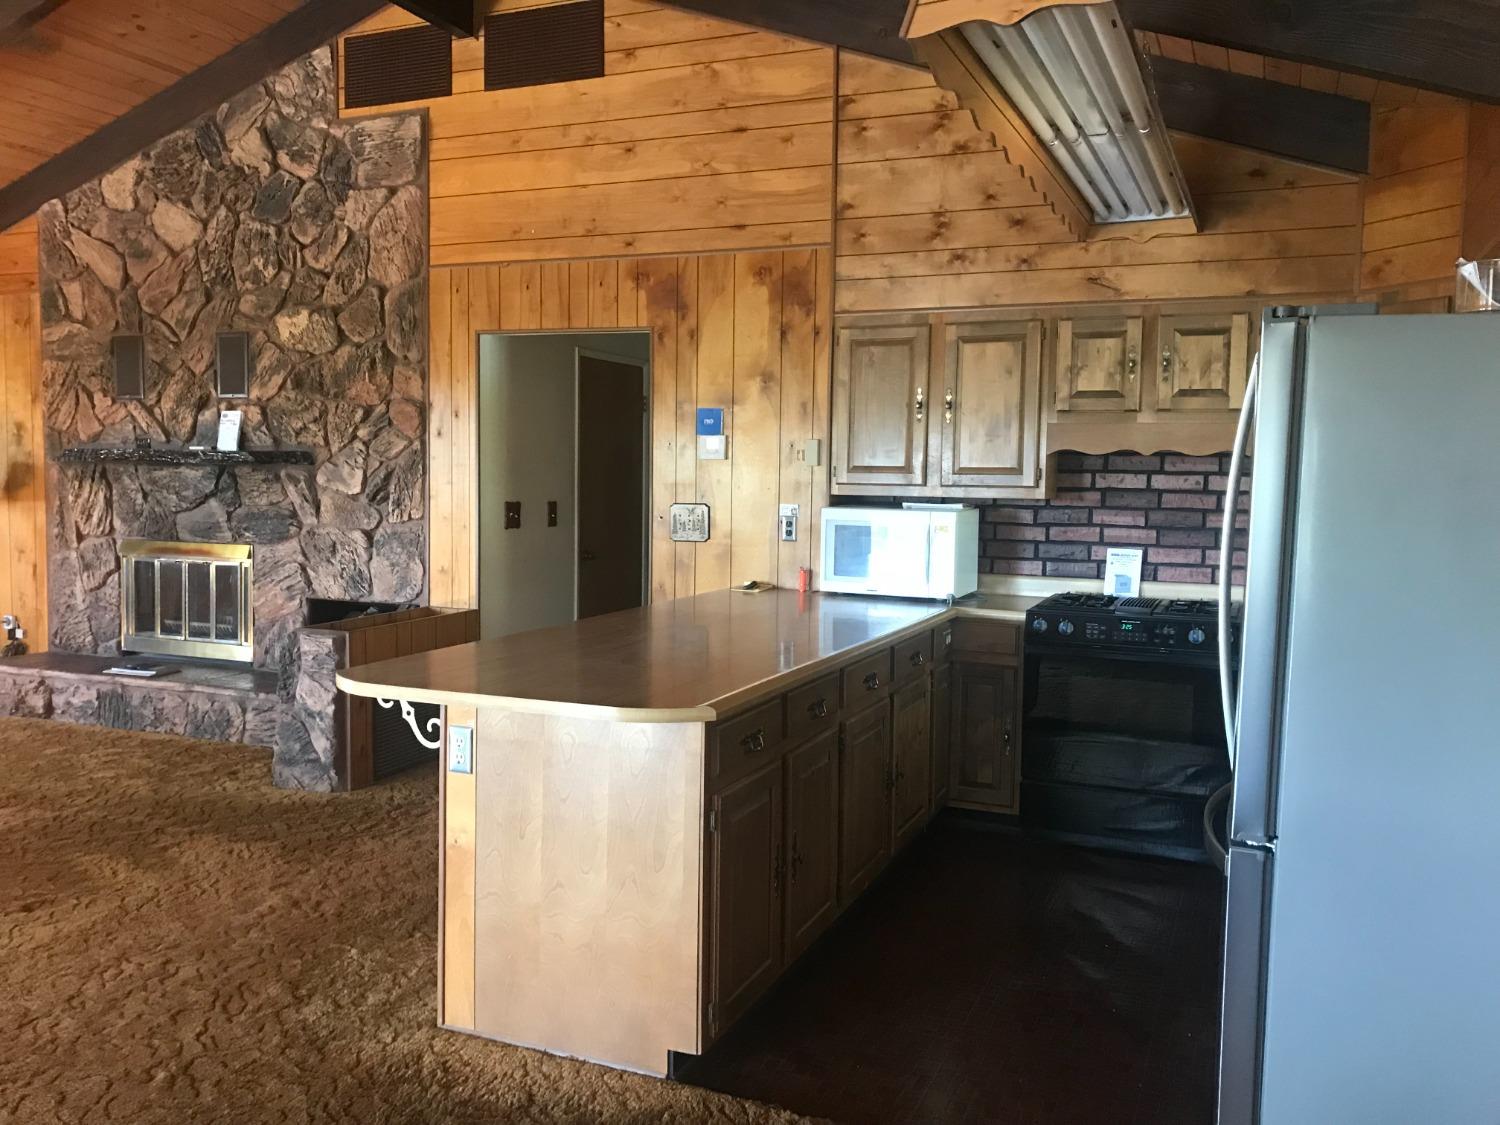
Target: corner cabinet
pixel 939 407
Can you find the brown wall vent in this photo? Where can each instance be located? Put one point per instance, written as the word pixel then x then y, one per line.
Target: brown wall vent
pixel 405 65
pixel 535 46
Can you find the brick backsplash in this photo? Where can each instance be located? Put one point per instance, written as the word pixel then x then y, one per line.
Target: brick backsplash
pixel 1168 503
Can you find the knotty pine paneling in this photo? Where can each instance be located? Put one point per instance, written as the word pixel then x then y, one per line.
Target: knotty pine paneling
pixel 747 331
pixel 702 135
pixel 927 220
pixel 18 263
pixel 1414 201
pixel 23 521
pixel 1481 235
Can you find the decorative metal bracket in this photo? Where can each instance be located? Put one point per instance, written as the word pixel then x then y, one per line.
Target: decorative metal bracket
pixel 409 713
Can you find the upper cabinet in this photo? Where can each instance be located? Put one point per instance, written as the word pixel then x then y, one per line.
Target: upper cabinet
pixel 1097 364
pixel 1205 361
pixel 880 405
pixel 991 386
pixel 972 427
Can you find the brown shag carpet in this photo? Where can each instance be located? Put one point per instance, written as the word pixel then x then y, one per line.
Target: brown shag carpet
pixel 180 942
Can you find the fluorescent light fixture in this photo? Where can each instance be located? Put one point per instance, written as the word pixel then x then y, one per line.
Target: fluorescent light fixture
pixel 1073 74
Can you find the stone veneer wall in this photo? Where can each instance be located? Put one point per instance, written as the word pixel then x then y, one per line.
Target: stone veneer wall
pixel 271 217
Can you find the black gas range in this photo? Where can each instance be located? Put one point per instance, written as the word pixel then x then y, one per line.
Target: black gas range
pixel 1179 631
pixel 1123 732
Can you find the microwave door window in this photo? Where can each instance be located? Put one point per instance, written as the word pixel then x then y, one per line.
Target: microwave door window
pixel 851 550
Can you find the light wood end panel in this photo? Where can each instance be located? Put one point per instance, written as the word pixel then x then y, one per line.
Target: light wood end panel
pixel 23 468
pixel 456 936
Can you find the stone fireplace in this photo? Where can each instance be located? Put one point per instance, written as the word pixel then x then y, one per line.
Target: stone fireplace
pixel 187 599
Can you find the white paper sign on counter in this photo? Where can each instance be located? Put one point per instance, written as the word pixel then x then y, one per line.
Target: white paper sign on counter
pixel 229 430
pixel 1122 571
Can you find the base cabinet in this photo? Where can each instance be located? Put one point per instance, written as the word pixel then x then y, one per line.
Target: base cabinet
pixel 812 841
pixel 911 761
pixel 942 733
pixel 986 738
pixel 864 771
pixel 748 855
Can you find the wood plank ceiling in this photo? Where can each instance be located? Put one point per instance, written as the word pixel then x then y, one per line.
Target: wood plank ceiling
pixel 88 82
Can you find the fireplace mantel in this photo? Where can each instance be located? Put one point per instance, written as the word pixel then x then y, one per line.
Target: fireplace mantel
pixel 158 455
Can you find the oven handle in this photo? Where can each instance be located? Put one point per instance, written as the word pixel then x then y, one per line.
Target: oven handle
pixel 1226 559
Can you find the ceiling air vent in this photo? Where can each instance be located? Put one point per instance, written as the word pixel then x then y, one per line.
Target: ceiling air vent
pixel 534 46
pixel 405 65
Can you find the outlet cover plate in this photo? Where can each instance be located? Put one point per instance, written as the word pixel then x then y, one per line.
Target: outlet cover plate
pixel 460 749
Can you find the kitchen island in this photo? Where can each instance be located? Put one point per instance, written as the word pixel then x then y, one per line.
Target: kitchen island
pixel 666 806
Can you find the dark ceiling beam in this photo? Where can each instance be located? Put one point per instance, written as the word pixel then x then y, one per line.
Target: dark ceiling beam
pixel 17 15
pixel 872 27
pixel 1283 120
pixel 459 18
pixel 309 27
pixel 1446 45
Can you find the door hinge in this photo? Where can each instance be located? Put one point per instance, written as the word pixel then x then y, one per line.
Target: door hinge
pixel 713 1023
pixel 713 820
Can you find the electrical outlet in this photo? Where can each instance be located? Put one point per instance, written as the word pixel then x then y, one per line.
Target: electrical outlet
pixel 460 749
pixel 789 523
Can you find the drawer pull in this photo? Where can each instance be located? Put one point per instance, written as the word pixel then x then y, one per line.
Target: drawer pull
pixel 755 741
pixel 872 681
pixel 818 708
pixel 917 659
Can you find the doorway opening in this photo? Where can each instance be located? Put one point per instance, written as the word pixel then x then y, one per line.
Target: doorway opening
pixel 563 475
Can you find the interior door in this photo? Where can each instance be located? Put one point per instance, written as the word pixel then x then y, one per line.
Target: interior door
pixel 992 376
pixel 812 846
pixel 1204 361
pixel 611 500
pixel 1098 364
pixel 880 405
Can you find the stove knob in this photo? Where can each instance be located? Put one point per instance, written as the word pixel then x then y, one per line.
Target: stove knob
pixel 1039 625
pixel 1196 636
pixel 1064 628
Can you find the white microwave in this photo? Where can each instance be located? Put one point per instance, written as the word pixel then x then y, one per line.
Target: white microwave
pixel 930 552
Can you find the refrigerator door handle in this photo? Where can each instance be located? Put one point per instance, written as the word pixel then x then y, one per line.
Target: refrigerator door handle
pixel 1226 558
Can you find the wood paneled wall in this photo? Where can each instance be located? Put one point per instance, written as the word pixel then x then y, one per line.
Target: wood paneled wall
pixel 18 263
pixel 1481 237
pixel 23 518
pixel 926 219
pixel 748 332
pixel 703 135
pixel 1414 201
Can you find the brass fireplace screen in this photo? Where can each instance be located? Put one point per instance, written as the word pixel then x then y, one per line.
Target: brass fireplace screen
pixel 186 599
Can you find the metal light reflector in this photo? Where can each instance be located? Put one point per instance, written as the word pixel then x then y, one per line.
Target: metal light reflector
pixel 1072 73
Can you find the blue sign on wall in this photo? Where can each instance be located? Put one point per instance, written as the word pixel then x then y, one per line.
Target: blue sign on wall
pixel 710 421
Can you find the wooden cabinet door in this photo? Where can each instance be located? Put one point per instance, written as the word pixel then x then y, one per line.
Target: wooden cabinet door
pixel 746 833
pixel 942 733
pixel 1203 361
pixel 992 375
pixel 986 742
pixel 812 840
pixel 1098 364
pixel 864 799
pixel 881 402
pixel 911 758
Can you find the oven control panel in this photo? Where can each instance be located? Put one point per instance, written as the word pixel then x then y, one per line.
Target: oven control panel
pixel 1147 625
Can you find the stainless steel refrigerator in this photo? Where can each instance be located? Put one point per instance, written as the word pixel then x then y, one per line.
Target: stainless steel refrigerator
pixel 1362 919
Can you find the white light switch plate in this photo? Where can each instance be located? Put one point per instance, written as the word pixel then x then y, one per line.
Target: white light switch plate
pixel 460 749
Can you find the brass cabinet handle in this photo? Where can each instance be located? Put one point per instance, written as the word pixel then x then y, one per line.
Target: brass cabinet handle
pixel 1130 363
pixel 921 402
pixel 818 708
pixel 917 659
pixel 872 681
pixel 1166 363
pixel 948 408
pixel 755 741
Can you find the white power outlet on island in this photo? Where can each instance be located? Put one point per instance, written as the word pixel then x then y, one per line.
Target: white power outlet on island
pixel 460 749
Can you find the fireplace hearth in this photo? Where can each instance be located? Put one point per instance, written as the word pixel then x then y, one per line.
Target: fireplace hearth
pixel 187 599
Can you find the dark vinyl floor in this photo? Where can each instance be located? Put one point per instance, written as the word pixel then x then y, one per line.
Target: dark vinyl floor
pixel 989 978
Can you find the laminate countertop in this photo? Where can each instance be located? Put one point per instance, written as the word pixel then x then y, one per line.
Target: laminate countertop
pixel 685 660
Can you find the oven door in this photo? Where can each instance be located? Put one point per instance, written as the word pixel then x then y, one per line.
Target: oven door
pixel 1120 750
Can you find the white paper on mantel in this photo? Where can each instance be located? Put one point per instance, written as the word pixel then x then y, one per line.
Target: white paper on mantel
pixel 229 430
pixel 1122 571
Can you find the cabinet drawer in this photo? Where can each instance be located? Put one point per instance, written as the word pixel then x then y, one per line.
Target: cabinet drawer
pixel 867 680
pixel 812 707
pixel 993 638
pixel 913 657
pixel 746 742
